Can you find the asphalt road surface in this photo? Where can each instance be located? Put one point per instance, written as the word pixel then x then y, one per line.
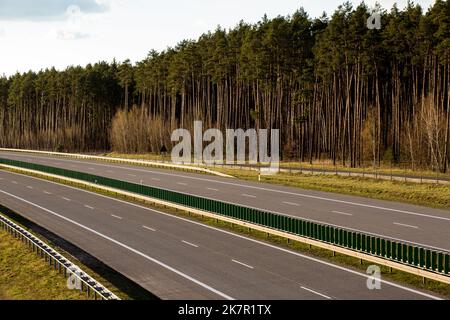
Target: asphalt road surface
pixel 175 258
pixel 414 224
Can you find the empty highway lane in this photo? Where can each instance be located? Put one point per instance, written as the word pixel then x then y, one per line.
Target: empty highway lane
pixel 180 259
pixel 415 224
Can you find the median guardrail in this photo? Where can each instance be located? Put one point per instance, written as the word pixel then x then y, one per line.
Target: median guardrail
pixel 412 255
pixel 81 280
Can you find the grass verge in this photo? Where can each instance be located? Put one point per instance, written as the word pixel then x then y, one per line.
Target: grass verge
pixel 122 287
pixel 25 276
pixel 404 278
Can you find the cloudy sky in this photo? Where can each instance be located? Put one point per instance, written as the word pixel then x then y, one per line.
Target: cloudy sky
pixel 36 34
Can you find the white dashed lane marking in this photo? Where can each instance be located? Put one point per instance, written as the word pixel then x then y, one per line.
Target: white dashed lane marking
pixel 343 213
pixel 316 293
pixel 292 204
pixel 243 264
pixel 405 225
pixel 190 244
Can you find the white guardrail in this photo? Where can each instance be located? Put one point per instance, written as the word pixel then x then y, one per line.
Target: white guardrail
pixel 163 165
pixel 78 279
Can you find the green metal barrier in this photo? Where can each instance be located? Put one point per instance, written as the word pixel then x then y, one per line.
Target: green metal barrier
pixel 430 260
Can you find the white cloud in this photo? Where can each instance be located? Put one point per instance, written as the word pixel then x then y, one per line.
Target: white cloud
pixel 42 10
pixel 2 32
pixel 72 29
pixel 131 28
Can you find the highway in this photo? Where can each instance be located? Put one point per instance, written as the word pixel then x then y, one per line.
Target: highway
pixel 422 226
pixel 176 258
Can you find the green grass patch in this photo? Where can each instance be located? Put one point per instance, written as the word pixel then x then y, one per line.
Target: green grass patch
pixel 118 284
pixel 403 169
pixel 25 276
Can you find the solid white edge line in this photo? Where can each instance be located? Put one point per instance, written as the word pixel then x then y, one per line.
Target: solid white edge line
pixel 395 285
pixel 162 264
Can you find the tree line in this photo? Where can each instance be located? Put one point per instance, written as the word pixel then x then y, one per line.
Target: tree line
pixel 336 89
